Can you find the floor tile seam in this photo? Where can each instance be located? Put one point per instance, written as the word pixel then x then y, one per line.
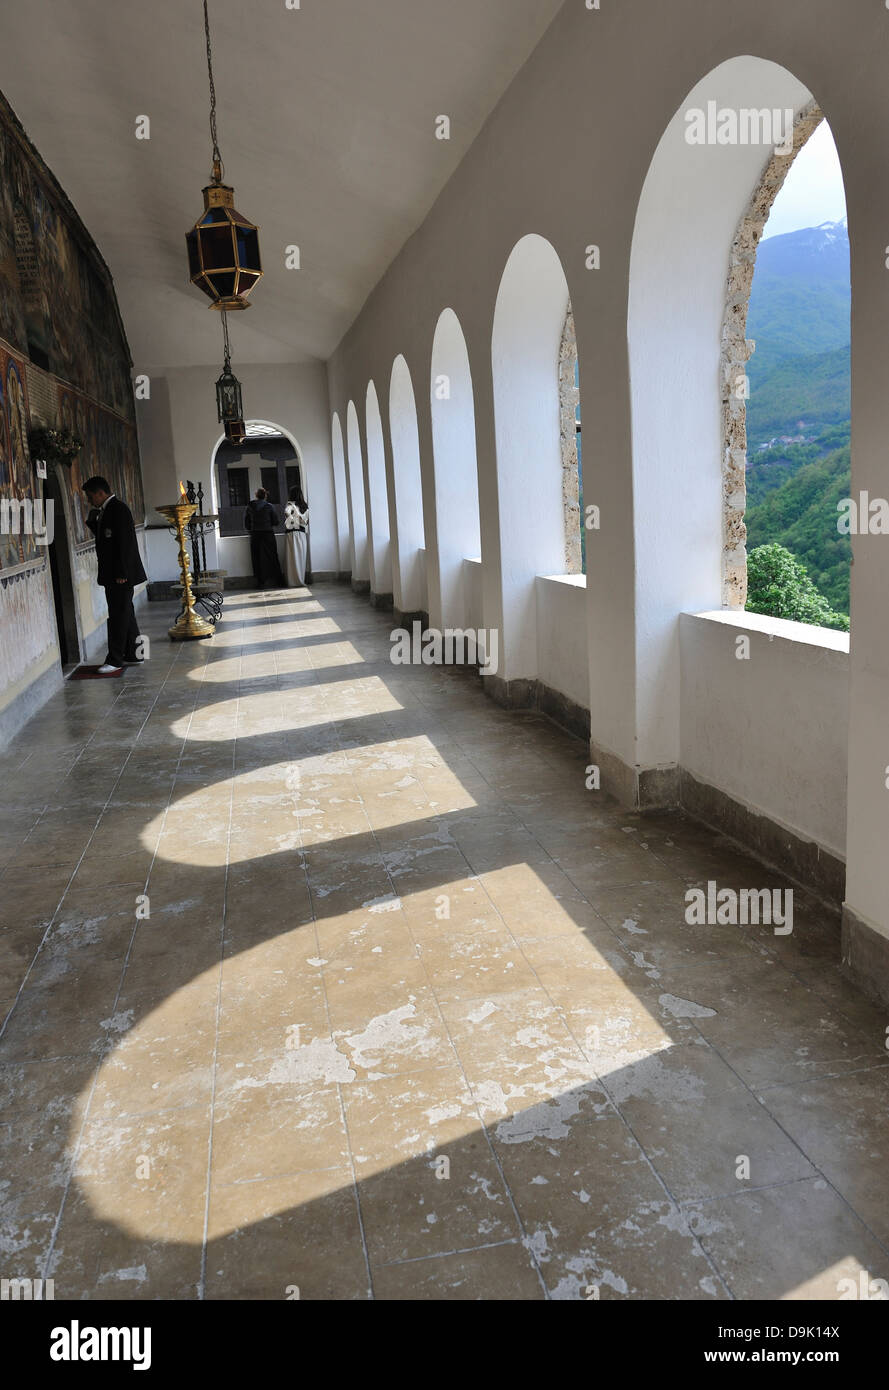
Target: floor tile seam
pixel 881 1067
pixel 446 1254
pixel 741 1192
pixel 75 1152
pixel 482 1126
pixel 76 869
pixel 208 1181
pixel 397 895
pixel 662 1182
pixel 795 1143
pixel 356 1195
pixel 794 972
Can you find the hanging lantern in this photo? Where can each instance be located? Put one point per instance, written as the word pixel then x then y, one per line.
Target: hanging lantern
pixel 223 246
pixel 229 406
pixel 235 431
pixel 228 395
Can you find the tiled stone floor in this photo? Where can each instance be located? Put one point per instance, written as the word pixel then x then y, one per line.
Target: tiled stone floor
pixel 412 1014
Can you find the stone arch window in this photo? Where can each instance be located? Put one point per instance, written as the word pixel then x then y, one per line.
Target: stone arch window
pixel 735 353
pixel 569 435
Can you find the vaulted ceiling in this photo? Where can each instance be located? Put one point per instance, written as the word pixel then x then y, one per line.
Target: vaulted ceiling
pixel 326 125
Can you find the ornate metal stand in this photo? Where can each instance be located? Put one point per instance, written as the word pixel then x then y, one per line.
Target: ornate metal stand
pixel 207 594
pixel 188 626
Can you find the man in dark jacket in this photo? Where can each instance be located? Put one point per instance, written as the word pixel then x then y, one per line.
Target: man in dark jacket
pixel 120 570
pixel 260 519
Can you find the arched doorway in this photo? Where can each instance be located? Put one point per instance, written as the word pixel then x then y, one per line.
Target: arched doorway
pixel 64 601
pixel 270 457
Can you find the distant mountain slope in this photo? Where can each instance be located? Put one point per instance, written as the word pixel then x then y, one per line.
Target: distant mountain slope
pixel 800 302
pixel 800 386
pixel 799 394
pixel 774 466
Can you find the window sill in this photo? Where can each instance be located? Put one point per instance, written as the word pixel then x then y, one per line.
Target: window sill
pixel 803 634
pixel 574 581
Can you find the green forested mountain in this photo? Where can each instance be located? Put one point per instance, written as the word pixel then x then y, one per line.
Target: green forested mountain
pixel 800 391
pixel 803 394
pixel 801 514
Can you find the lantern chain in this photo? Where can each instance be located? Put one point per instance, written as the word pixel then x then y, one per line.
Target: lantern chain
pixel 217 157
pixel 225 340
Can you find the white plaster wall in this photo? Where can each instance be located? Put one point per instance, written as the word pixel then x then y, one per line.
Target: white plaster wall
pixel 769 731
pixel 562 657
pixel 376 498
pixel 409 568
pixel 473 595
pixel 355 480
pixel 178 432
pixel 341 497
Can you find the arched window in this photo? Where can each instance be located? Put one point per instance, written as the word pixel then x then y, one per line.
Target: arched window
pixel 456 468
pixel 409 575
pixel 529 324
pixel 341 495
pixel 357 509
pixel 569 430
pixel 686 481
pixel 377 499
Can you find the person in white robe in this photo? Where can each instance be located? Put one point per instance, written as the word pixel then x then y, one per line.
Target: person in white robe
pixel 296 525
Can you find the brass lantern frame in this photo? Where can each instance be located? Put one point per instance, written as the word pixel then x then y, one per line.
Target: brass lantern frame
pixel 223 250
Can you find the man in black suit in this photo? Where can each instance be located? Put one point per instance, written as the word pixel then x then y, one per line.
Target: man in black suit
pixel 120 570
pixel 260 519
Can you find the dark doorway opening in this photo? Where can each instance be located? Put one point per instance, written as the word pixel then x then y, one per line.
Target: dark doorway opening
pixel 60 570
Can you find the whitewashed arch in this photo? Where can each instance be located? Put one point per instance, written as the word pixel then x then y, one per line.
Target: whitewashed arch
pixel 736 353
pixel 355 489
pixel 376 498
pixel 692 203
pixel 341 496
pixel 455 465
pixel 532 303
pixel 409 572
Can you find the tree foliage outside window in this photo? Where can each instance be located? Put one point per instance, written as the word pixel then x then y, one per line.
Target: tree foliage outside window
pixel 779 586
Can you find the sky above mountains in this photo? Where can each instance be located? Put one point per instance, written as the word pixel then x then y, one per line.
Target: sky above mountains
pixel 813 191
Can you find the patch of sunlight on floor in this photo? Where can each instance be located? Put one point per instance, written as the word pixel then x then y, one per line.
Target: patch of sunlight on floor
pixel 293 628
pixel 255 616
pixel 279 807
pixel 857 1283
pixel 332 1057
pixel 232 669
pixel 277 711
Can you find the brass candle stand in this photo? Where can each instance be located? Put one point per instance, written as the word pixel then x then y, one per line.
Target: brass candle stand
pixel 188 626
